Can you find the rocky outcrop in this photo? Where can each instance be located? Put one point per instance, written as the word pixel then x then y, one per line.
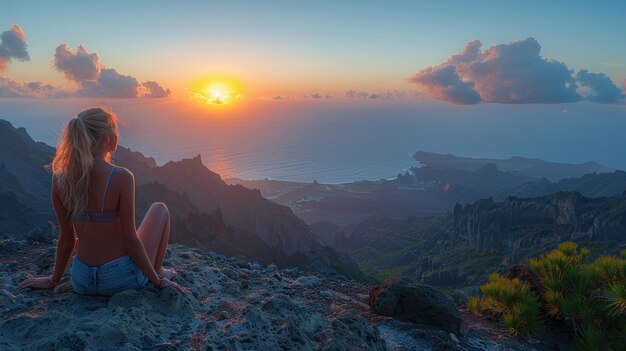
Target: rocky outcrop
pixel 519 223
pixel 415 303
pixel 232 305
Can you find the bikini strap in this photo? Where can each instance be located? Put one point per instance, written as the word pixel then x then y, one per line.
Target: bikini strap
pixel 106 189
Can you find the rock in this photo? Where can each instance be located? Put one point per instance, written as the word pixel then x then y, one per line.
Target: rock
pixel 327 294
pixel 351 332
pixel 12 245
pixel 6 298
pixel 271 268
pixel 255 266
pixel 241 263
pixel 43 233
pixel 307 281
pixel 415 303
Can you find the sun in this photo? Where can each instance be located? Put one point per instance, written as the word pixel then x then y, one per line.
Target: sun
pixel 217 91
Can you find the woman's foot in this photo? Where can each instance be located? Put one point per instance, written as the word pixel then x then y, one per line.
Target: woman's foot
pixel 168 273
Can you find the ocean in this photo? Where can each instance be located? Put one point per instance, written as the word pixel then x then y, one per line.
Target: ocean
pixel 340 141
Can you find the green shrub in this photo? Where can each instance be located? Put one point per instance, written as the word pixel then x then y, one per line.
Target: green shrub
pixel 615 296
pixel 525 316
pixel 590 296
pixel 590 338
pixel 475 304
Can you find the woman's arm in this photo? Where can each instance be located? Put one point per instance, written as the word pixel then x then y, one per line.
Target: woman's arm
pixel 67 239
pixel 65 247
pixel 133 244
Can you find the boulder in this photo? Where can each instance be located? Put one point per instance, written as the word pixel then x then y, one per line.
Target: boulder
pixel 307 281
pixel 415 303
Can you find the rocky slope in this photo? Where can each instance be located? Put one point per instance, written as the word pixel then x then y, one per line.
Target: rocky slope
pixel 232 305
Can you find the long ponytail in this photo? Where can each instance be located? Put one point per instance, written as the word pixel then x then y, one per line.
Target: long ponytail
pixel 74 159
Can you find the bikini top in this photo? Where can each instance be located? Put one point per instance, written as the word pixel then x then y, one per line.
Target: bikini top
pixel 102 215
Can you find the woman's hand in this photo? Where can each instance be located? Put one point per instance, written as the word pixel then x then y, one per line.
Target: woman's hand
pixel 37 283
pixel 166 282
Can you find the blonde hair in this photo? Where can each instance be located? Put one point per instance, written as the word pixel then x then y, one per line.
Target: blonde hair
pixel 74 159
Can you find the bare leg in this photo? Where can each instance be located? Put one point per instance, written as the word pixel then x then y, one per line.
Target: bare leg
pixel 154 232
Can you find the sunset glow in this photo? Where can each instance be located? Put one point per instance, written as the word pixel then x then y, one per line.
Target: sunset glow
pixel 217 91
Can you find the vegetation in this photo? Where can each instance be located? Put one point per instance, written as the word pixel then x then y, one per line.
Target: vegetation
pixel 588 298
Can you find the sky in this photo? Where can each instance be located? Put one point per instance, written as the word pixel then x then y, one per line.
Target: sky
pixel 293 48
pixel 473 78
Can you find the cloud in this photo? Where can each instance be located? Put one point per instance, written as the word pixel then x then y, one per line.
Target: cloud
pixel 357 94
pixel 516 73
pixel 110 84
pixel 95 79
pixel 471 52
pixel 601 87
pixel 509 73
pixel 154 90
pixel 12 46
pixel 389 94
pixel 443 83
pixel 77 66
pixel 12 89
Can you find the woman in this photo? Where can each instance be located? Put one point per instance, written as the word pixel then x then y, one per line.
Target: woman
pixel 94 202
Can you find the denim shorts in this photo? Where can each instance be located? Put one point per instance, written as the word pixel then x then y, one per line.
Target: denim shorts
pixel 107 279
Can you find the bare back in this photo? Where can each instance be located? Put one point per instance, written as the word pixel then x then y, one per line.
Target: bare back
pixel 101 242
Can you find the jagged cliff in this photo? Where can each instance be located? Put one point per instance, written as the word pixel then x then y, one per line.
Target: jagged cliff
pixel 516 223
pixel 275 224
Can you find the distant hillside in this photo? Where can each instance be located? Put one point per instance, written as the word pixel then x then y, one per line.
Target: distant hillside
pixel 534 168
